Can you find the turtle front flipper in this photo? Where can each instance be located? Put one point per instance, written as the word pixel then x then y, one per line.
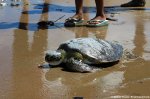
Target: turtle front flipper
pixel 78 66
pixel 44 66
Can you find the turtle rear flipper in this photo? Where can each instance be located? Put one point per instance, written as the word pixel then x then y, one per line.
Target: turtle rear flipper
pixel 77 66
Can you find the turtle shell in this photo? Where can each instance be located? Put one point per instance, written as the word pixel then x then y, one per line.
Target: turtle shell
pixel 98 49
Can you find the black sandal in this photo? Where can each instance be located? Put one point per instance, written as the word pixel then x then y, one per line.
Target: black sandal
pixel 134 3
pixel 72 22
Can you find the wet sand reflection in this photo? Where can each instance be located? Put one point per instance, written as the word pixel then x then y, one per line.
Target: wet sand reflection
pixel 26 76
pixel 137 71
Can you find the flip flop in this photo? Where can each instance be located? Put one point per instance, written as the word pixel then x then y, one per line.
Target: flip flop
pixel 72 22
pixel 97 23
pixel 134 3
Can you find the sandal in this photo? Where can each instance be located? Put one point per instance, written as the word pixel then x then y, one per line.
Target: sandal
pixel 134 3
pixel 72 22
pixel 97 23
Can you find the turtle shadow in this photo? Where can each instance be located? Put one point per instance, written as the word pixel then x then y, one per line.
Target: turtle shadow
pixel 100 66
pixel 108 64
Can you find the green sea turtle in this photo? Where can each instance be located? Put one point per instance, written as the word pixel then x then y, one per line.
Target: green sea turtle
pixel 85 54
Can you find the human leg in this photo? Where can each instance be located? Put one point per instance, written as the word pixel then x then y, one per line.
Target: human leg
pixel 100 18
pixel 77 18
pixel 79 8
pixel 100 10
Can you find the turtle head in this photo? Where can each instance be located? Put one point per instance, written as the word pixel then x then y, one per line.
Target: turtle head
pixel 54 57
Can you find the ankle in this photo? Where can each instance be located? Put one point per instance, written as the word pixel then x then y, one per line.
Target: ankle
pixel 78 15
pixel 99 18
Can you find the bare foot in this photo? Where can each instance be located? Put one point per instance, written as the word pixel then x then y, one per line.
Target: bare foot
pixel 77 16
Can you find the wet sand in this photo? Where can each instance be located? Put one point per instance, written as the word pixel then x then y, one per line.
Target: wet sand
pixel 23 44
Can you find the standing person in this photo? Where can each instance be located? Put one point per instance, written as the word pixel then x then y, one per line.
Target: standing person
pixel 134 3
pixel 77 19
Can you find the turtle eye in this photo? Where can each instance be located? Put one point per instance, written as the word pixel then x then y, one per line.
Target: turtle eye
pixel 47 58
pixel 57 58
pixel 51 58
